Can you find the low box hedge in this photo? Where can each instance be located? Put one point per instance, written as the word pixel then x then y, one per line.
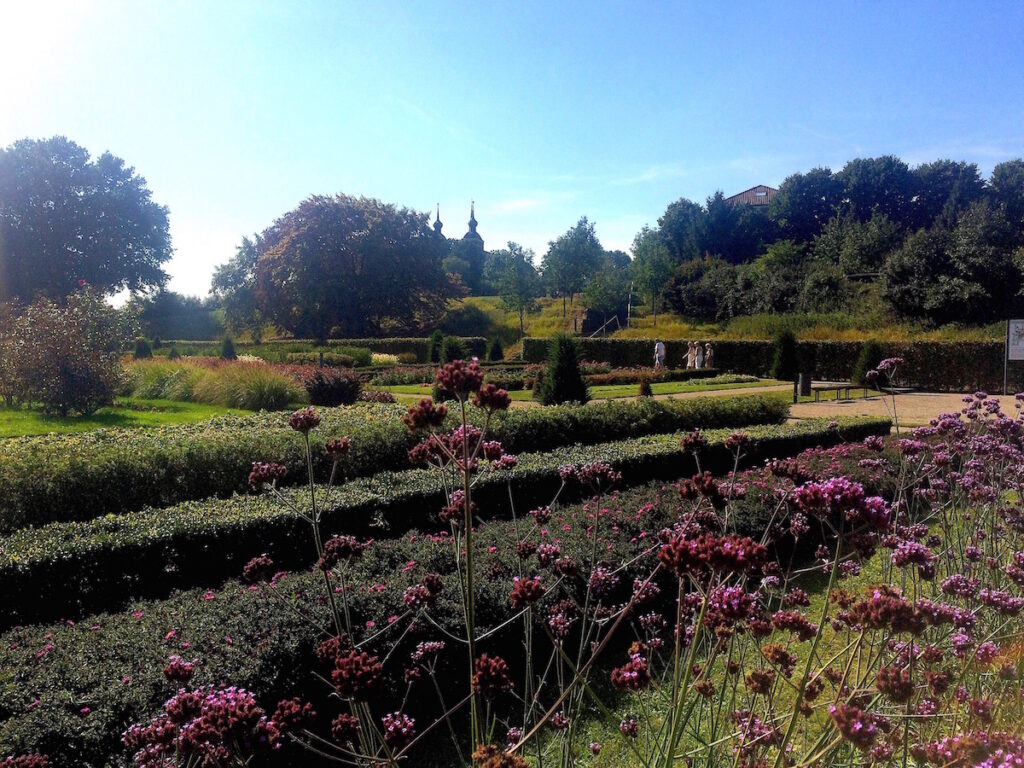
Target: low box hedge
pixel 956 366
pixel 276 350
pixel 52 478
pixel 112 663
pixel 65 569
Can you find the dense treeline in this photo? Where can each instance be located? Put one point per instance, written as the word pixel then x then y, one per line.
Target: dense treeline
pixel 939 242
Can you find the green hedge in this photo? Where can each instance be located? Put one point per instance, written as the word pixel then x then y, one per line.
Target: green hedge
pixel 957 366
pixel 75 477
pixel 112 662
pixel 277 350
pixel 67 568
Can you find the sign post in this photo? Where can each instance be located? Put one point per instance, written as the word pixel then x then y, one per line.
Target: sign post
pixel 1014 348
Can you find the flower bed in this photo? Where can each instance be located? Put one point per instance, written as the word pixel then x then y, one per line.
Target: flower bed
pixel 75 477
pixel 97 564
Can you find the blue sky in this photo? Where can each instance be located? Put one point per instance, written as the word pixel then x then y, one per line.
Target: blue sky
pixel 541 112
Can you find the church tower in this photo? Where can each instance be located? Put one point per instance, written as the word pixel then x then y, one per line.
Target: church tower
pixel 472 236
pixel 437 221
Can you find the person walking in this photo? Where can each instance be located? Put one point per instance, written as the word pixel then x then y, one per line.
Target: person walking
pixel 700 355
pixel 659 355
pixel 691 355
pixel 709 356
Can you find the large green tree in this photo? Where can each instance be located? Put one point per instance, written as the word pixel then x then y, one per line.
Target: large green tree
pixel 512 274
pixel 234 284
pixel 805 201
pixel 352 266
pixel 944 188
pixel 652 267
pixel 878 184
pixel 1006 189
pixel 680 228
pixel 606 289
pixel 571 260
pixel 66 219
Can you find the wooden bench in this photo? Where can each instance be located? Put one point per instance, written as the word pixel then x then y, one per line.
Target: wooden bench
pixel 838 387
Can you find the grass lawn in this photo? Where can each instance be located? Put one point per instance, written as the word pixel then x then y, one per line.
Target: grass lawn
pixel 126 412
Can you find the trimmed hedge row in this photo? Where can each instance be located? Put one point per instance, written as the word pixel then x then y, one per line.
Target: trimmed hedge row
pixel 958 366
pixel 113 663
pixel 75 477
pixel 68 568
pixel 475 346
pixel 242 636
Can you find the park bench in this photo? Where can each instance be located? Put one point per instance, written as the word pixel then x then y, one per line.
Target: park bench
pixel 839 387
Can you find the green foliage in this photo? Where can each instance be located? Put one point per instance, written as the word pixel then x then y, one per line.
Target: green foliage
pixel 513 276
pixel 66 219
pixel 143 350
pixel 785 363
pixel 325 385
pixel 346 265
pixel 227 349
pixel 495 352
pixel 68 355
pixel 155 550
pixel 249 386
pixel 170 315
pixel 644 390
pixel 434 345
pixel 572 259
pixel 173 354
pixel 651 267
pixel 234 284
pixel 871 354
pixel 563 380
pixel 115 471
pixel 452 348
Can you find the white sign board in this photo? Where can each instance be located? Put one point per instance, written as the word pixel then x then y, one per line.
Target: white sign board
pixel 1015 340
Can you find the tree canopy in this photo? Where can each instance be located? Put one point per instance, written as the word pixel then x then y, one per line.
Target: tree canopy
pixel 571 259
pixel 352 266
pixel 66 220
pixel 515 279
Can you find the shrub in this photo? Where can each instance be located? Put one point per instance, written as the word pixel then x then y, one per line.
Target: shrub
pixel 871 354
pixel 227 349
pixel 69 359
pixel 495 352
pixel 71 477
pixel 434 345
pixel 407 358
pixel 452 348
pixel 172 354
pixel 785 364
pixel 325 386
pixel 383 359
pixel 562 381
pixel 644 390
pixel 157 343
pixel 143 351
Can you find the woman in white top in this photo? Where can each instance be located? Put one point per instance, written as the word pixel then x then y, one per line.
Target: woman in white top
pixel 691 355
pixel 700 355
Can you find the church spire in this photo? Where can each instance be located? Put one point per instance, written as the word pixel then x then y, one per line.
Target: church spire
pixel 472 216
pixel 437 221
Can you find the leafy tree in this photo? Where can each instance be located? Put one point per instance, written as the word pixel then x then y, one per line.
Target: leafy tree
pixel 562 378
pixel 824 289
pixel 857 247
pixel 234 284
pixel 651 267
pixel 805 201
pixel 352 266
pixel 883 184
pixel 680 229
pixel 571 260
pixel 969 272
pixel 944 188
pixel 467 260
pixel 705 289
pixel 67 220
pixel 776 277
pixel 606 290
pixel 514 277
pixel 170 315
pixel 1006 189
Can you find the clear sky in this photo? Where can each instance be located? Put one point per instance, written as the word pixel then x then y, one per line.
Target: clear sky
pixel 542 112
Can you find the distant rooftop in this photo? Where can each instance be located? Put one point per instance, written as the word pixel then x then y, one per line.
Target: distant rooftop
pixel 762 194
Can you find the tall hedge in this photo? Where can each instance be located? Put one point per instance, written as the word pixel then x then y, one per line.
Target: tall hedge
pixel 938 366
pixel 76 477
